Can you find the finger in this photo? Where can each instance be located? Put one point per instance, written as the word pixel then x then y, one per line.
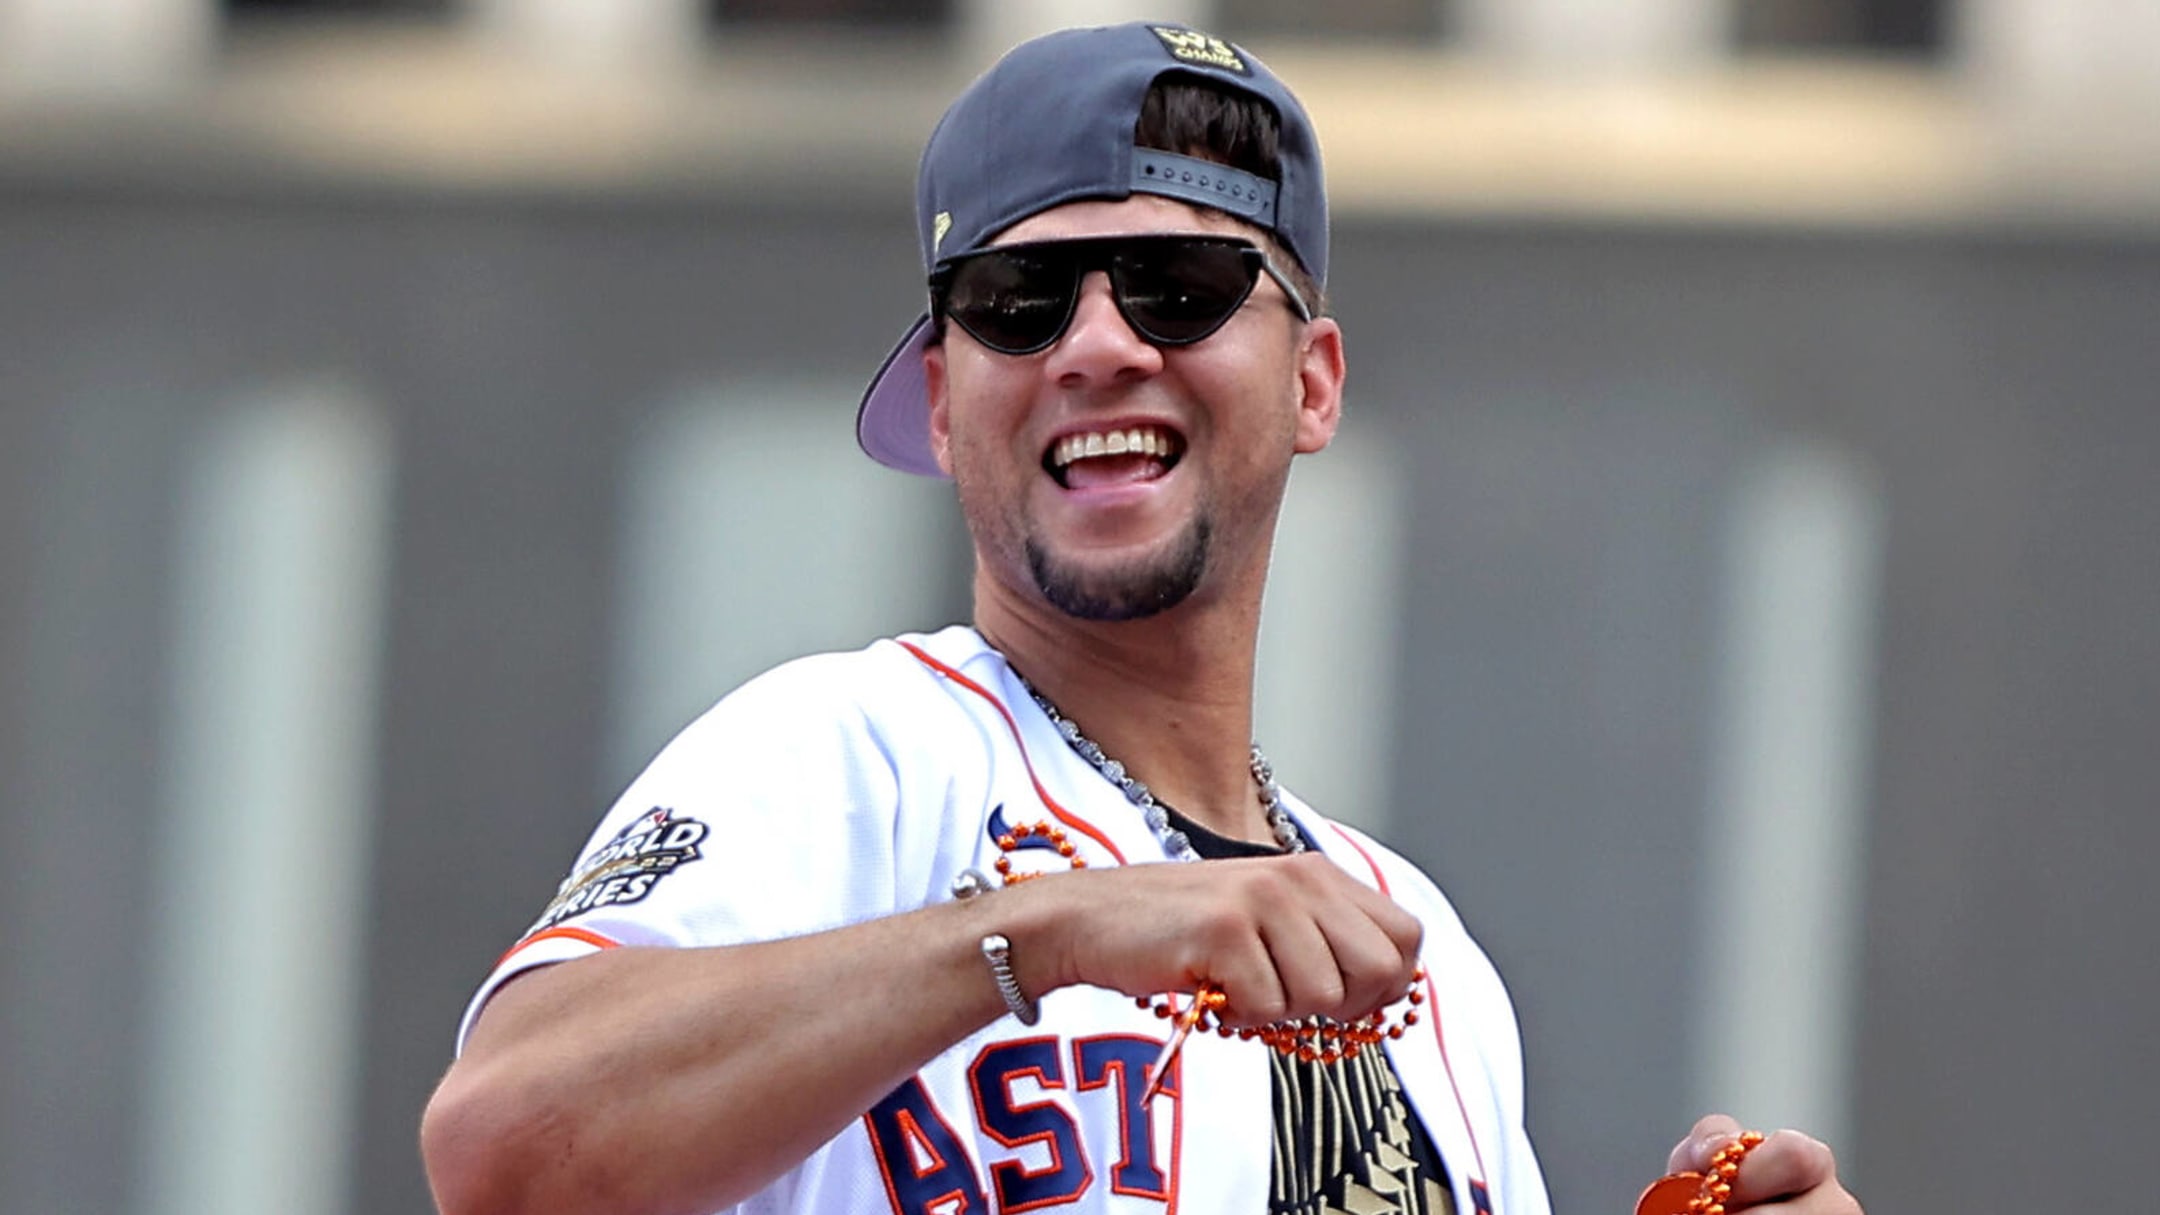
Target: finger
pixel 1374 941
pixel 1787 1163
pixel 1375 971
pixel 1250 983
pixel 1711 1132
pixel 1403 930
pixel 1305 964
pixel 1261 944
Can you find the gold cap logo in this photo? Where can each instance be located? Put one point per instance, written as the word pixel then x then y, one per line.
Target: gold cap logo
pixel 1192 46
pixel 939 226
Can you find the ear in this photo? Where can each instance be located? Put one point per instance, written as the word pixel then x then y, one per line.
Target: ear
pixel 1320 373
pixel 936 385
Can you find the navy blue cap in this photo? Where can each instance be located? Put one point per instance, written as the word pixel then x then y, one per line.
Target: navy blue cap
pixel 1052 123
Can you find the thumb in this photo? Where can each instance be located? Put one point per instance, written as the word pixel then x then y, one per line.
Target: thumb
pixel 1692 1154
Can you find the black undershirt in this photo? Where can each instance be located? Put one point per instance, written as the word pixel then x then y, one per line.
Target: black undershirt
pixel 1346 1140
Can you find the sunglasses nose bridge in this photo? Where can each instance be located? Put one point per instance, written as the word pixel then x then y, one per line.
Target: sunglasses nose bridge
pixel 1098 338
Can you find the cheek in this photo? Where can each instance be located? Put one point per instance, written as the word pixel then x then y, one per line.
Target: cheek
pixel 1261 395
pixel 985 398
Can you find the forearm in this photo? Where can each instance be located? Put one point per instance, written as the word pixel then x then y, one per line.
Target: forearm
pixel 678 1081
pixel 682 1080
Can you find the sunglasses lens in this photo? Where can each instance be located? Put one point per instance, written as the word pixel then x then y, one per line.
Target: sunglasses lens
pixel 1173 290
pixel 1176 292
pixel 1015 301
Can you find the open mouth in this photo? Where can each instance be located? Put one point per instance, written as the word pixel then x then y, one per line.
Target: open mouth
pixel 1125 456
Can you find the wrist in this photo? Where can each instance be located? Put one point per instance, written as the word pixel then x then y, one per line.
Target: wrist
pixel 1016 934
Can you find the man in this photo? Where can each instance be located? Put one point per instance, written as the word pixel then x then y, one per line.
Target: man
pixel 869 935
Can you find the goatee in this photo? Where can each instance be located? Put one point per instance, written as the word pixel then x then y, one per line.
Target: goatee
pixel 1134 592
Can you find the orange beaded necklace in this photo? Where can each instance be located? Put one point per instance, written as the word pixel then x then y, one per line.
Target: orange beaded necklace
pixel 1700 1193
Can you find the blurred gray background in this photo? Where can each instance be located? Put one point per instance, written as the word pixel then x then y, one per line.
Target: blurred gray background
pixel 1736 583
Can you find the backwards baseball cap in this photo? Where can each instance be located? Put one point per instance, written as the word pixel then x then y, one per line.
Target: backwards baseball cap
pixel 1053 123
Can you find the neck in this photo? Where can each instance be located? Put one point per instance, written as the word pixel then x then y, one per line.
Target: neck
pixel 1170 696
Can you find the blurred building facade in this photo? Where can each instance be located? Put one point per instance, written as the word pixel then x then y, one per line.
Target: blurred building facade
pixel 1736 582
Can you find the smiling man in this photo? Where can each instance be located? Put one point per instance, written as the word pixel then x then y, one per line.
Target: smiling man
pixel 943 926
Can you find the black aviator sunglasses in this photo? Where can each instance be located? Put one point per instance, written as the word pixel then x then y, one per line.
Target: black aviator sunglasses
pixel 1173 289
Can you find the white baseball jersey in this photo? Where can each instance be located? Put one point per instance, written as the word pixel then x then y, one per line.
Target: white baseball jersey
pixel 843 787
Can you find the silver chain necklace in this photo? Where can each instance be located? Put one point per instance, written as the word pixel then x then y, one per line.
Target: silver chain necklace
pixel 1174 841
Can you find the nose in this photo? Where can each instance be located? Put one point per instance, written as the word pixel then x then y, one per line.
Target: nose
pixel 1098 346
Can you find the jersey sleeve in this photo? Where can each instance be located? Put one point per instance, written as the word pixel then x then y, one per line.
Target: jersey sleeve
pixel 775 814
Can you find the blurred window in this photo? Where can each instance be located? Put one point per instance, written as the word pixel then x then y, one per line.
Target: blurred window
pixel 874 13
pixel 1250 20
pixel 1899 27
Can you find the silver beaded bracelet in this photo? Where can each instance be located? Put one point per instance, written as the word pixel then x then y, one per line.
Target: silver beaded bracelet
pixel 997 951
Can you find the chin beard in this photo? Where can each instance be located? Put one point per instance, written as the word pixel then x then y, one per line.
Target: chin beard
pixel 1133 592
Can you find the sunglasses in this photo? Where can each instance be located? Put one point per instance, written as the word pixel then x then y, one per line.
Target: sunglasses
pixel 1172 289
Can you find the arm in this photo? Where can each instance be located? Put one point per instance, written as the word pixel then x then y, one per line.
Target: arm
pixel 684 1080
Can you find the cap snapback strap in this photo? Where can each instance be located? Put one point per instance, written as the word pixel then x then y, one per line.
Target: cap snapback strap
pixel 1205 182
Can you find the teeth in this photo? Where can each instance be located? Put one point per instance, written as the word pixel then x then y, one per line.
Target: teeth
pixel 1139 440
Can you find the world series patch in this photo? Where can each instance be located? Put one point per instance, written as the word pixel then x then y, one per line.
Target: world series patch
pixel 627 867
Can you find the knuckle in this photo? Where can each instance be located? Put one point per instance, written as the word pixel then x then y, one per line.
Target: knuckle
pixel 1413 933
pixel 1223 926
pixel 1329 994
pixel 1313 867
pixel 1280 881
pixel 1267 1006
